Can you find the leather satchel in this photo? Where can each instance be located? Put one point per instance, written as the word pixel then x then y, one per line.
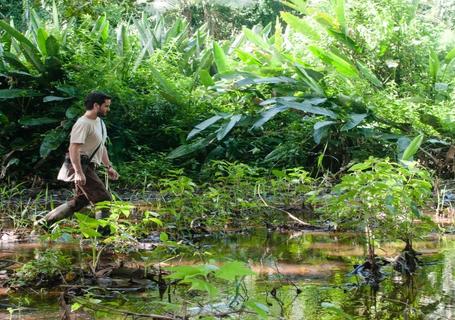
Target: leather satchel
pixel 67 171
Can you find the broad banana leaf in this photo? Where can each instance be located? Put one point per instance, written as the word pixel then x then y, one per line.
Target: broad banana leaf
pixel 227 127
pixel 186 149
pixel 52 140
pixel 52 46
pixel 354 120
pixel 204 125
pixel 17 93
pixel 321 129
pixel 272 80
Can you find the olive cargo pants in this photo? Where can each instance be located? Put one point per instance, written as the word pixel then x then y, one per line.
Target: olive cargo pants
pixel 92 192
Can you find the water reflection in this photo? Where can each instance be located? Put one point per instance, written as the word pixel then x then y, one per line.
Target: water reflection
pixel 304 276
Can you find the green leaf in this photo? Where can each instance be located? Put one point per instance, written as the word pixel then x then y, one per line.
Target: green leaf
pixel 412 149
pixel 340 13
pixel 13 61
pixel 167 88
pixel 248 58
pixel 227 127
pixel 341 315
pixel 202 285
pixel 300 25
pixel 342 66
pixel 307 106
pixel 52 46
pixel 220 58
pixel 278 39
pixel 17 93
pixel 17 35
pixel 450 55
pixel 3 119
pixel 433 65
pixel 232 270
pixel 29 122
pixel 122 40
pixel 267 115
pixel 52 140
pixel 206 78
pixel 55 98
pixel 33 58
pixel 158 222
pixel 204 125
pixel 271 80
pixel 320 130
pixel 41 40
pixel 256 39
pixel 310 81
pixel 73 111
pixel 55 19
pixel 164 237
pixel 369 75
pixel 354 120
pixel 259 308
pixel 186 149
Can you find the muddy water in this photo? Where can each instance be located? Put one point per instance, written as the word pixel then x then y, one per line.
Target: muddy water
pixel 298 276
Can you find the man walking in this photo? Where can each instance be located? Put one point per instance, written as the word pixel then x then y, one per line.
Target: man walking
pixel 86 152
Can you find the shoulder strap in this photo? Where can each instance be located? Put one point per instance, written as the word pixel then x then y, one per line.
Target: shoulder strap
pixel 102 138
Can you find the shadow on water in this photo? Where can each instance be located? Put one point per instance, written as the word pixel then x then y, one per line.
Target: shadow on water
pixel 298 276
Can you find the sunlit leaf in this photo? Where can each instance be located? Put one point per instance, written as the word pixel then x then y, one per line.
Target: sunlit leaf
pixel 232 270
pixel 413 147
pixel 300 25
pixel 341 65
pixel 220 58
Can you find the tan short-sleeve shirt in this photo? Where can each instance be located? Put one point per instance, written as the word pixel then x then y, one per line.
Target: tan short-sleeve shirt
pixel 88 133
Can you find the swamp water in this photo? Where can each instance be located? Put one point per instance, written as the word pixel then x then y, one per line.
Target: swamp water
pixel 302 275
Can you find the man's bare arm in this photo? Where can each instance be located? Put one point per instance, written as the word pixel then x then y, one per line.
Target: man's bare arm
pixel 75 156
pixel 113 174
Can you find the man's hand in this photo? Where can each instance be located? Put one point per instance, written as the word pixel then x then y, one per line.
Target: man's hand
pixel 79 178
pixel 113 175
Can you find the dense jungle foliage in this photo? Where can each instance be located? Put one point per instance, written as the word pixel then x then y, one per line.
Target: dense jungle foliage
pixel 319 114
pixel 319 85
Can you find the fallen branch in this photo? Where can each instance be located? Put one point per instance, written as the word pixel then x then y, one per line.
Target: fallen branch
pixel 279 209
pixel 95 307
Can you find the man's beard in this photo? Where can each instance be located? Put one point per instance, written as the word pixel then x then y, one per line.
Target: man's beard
pixel 101 114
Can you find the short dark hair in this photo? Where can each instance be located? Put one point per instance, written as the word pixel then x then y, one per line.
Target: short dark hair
pixel 95 97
